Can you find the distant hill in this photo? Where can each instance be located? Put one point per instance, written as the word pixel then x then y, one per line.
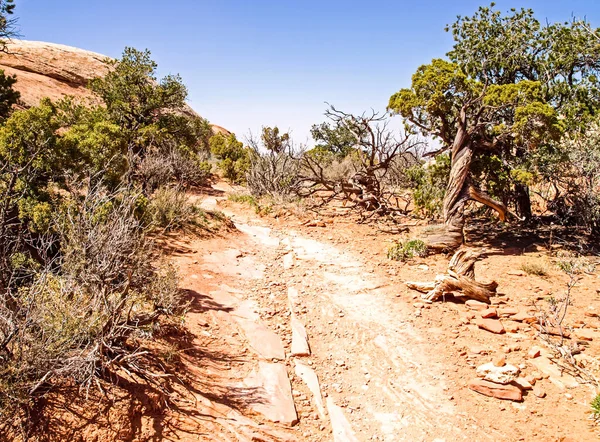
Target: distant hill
pixel 55 70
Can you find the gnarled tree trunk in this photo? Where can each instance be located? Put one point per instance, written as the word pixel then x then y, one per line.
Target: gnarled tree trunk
pixel 459 191
pixel 459 281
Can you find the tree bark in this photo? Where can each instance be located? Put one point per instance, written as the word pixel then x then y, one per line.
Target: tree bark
pixel 456 191
pixel 523 201
pixel 459 281
pixel 459 191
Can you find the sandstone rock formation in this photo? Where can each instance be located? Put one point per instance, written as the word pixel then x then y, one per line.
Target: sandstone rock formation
pixel 54 70
pixel 51 70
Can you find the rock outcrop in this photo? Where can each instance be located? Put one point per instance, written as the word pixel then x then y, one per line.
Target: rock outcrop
pixel 51 70
pixel 54 71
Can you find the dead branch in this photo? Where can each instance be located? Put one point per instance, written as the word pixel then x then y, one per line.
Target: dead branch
pixel 459 281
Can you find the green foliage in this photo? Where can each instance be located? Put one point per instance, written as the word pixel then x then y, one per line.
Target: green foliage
pixel 515 85
pixel 8 96
pixel 403 251
pixel 274 142
pixel 243 198
pixel 234 158
pixel 135 99
pixel 429 185
pixel 595 405
pixel 335 139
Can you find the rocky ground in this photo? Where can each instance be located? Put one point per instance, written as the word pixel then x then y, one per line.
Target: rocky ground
pixel 341 349
pixel 303 330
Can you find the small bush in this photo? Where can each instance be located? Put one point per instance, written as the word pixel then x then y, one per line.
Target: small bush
pixel 170 209
pixel 85 314
pixel 429 185
pixel 595 404
pixel 535 268
pixel 243 198
pixel 234 158
pixel 259 207
pixel 402 251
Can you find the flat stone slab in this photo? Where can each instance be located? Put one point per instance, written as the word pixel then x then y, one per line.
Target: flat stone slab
pixel 546 366
pixel 300 345
pixel 265 341
pixel 342 430
pixel 498 391
pixel 274 393
pixel 309 377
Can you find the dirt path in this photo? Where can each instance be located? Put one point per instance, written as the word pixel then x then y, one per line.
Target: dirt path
pixel 377 381
pixel 308 335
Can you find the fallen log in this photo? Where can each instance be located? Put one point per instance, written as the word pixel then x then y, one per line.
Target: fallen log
pixel 459 281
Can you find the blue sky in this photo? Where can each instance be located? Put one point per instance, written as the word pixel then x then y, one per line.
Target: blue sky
pixel 249 63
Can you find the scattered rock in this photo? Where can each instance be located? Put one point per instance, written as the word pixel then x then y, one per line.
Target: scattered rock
pixel 500 375
pixel 507 312
pixel 534 352
pixel 539 391
pixel 511 326
pixel 478 350
pixel 585 334
pixel 523 384
pixel 276 402
pixel 524 316
pixel 531 379
pixel 498 391
pixel 550 330
pixel 546 366
pixel 476 305
pixel 300 345
pixel 489 313
pixel 491 325
pixel 500 361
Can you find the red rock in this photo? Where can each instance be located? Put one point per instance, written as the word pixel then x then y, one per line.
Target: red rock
pixel 491 325
pixel 500 361
pixel 511 326
pixel 55 71
pixel 498 391
pixel 531 379
pixel 489 313
pixel 555 331
pixel 524 316
pixel 523 384
pixel 539 391
pixel 534 352
pixel 476 305
pixel 585 334
pixel 507 311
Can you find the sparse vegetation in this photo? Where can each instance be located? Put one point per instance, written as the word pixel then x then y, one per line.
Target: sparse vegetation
pixel 403 251
pixel 537 268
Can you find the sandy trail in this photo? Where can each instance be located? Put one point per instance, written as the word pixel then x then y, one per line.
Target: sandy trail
pixel 369 360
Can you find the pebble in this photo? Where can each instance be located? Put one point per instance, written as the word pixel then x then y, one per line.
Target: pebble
pixel 539 391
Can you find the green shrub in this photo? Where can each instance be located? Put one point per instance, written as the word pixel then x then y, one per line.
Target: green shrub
pixel 429 185
pixel 595 404
pixel 83 315
pixel 403 251
pixel 170 209
pixel 234 159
